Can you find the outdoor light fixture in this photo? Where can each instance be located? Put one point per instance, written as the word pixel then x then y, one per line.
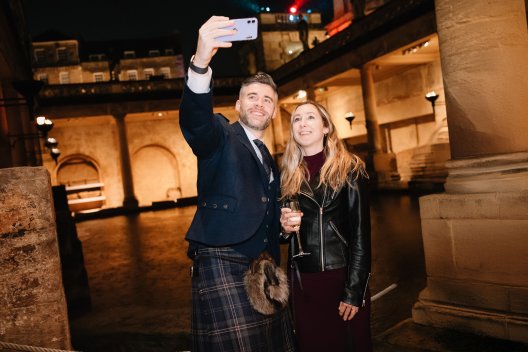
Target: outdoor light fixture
pixel 44 125
pixel 301 94
pixel 349 116
pixel 51 143
pixel 415 48
pixel 432 96
pixel 55 152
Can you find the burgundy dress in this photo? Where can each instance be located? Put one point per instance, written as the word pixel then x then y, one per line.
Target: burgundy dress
pixel 318 326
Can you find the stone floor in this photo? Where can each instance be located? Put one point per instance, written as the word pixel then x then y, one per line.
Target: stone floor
pixel 140 285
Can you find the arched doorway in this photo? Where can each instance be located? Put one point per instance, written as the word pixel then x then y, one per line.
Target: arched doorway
pixel 155 174
pixel 82 179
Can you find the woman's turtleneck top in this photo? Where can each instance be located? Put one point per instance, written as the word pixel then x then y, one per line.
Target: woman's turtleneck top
pixel 314 163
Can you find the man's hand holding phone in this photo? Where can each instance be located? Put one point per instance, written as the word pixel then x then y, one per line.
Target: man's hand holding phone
pixel 207 44
pixel 219 32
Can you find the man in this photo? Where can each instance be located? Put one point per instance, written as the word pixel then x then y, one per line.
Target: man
pixel 237 214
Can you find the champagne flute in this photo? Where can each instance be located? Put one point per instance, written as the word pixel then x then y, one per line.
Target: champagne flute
pixel 295 208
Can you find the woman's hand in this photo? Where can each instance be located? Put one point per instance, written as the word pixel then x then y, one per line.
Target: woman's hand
pixel 290 221
pixel 347 311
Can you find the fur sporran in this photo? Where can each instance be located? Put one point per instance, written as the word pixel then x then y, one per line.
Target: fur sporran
pixel 266 285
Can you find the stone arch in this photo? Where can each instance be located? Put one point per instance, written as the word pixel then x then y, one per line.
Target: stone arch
pixel 81 175
pixel 156 175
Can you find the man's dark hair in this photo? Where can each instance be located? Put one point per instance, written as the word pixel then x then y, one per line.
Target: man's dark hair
pixel 260 77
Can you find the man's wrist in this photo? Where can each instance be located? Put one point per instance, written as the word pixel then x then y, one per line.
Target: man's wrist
pixel 197 69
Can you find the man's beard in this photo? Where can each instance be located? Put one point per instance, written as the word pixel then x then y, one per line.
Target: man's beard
pixel 243 117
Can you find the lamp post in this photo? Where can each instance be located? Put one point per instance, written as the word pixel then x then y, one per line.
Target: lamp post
pixel 432 96
pixel 349 116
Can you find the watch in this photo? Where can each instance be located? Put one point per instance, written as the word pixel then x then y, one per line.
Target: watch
pixel 199 70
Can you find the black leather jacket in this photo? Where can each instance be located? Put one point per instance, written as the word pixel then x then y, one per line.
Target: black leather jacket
pixel 335 229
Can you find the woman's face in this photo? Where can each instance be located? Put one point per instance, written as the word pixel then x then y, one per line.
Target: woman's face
pixel 308 129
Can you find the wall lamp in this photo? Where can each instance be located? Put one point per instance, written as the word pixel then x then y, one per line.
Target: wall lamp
pixel 43 126
pixel 301 94
pixel 349 116
pixel 432 96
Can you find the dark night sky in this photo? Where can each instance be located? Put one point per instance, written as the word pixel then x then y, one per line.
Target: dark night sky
pixel 128 19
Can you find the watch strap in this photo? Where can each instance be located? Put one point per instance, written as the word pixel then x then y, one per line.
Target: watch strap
pixel 199 70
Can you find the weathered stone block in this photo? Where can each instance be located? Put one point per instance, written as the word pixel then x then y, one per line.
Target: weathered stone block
pixel 438 248
pixel 491 250
pixel 429 207
pixel 32 302
pixel 513 205
pixel 469 206
pixel 466 293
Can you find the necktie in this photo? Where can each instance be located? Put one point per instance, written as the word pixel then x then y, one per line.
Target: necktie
pixel 266 156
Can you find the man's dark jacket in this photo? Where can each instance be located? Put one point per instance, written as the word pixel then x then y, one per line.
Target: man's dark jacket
pixel 233 188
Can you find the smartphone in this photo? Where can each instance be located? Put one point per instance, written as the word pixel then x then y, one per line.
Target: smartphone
pixel 247 29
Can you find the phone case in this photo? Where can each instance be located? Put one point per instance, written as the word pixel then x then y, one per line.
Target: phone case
pixel 247 29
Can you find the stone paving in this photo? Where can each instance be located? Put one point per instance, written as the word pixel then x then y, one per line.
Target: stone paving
pixel 140 286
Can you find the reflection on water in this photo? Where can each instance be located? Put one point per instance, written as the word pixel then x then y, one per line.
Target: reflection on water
pixel 139 277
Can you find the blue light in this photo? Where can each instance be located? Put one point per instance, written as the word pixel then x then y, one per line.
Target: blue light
pixel 268 9
pixel 309 11
pixel 292 18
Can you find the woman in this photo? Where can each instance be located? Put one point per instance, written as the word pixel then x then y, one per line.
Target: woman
pixel 330 300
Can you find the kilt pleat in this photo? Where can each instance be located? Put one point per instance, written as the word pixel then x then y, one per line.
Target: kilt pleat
pixel 223 319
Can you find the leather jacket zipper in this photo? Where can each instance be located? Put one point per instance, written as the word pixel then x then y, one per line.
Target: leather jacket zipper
pixel 321 237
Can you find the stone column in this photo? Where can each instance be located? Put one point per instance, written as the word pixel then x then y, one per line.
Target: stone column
pixel 384 163
pixel 129 200
pixel 32 303
pixel 476 234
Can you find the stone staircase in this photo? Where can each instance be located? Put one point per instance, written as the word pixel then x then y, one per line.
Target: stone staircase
pixel 424 165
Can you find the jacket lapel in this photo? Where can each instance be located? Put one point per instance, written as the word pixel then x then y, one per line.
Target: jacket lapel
pixel 242 136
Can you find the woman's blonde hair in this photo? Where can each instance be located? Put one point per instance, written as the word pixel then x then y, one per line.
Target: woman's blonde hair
pixel 336 168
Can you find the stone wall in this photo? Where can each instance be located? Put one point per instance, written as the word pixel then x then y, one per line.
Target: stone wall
pixel 32 302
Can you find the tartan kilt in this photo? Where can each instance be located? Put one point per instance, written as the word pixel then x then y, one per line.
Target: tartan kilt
pixel 222 317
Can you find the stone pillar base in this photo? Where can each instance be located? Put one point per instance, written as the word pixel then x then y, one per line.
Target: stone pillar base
pixel 503 326
pixel 476 249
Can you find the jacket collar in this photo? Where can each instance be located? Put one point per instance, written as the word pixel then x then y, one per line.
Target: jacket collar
pixel 242 135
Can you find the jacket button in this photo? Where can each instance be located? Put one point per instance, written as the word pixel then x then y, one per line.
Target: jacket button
pixel 264 199
pixel 226 206
pixel 204 204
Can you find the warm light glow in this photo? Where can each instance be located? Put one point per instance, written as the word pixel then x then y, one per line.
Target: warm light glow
pixel 41 120
pixel 415 48
pixel 301 94
pixel 293 9
pixel 431 94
